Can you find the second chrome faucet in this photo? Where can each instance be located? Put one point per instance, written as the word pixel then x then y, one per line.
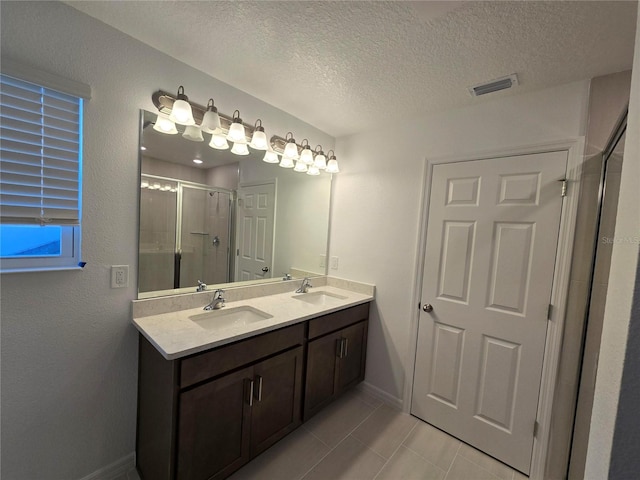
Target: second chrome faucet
pixel 217 302
pixel 304 287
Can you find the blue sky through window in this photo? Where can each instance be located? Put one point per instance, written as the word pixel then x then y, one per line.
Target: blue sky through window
pixel 30 241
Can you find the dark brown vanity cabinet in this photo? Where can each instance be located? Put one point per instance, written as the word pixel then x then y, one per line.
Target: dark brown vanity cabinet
pixel 204 416
pixel 336 355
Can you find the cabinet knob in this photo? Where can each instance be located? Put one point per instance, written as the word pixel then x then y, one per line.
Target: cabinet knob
pixel 427 307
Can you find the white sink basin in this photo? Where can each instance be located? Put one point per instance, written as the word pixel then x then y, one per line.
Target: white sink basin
pixel 320 298
pixel 229 318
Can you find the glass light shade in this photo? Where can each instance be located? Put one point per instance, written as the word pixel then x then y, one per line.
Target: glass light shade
pixel 193 133
pixel 286 162
pixel 307 156
pixel 313 170
pixel 219 142
pixel 332 167
pixel 259 140
pixel 270 157
pixel 165 125
pixel 197 160
pixel 320 161
pixel 240 149
pixel 181 113
pixel 236 133
pixel 144 184
pixel 291 151
pixel 211 122
pixel 155 186
pixel 300 167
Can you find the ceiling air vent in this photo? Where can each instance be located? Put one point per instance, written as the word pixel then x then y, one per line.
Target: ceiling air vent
pixel 494 85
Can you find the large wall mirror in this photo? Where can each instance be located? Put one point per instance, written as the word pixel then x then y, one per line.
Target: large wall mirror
pixel 223 218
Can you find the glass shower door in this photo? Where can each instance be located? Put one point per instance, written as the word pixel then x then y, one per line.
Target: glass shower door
pixel 204 239
pixel 158 199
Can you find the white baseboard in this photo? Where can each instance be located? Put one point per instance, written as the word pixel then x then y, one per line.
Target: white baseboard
pixel 113 470
pixel 381 395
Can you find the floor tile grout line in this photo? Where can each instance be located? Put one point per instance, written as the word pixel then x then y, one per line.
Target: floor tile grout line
pixel 396 450
pixel 513 472
pixel 452 461
pixel 342 440
pixel 471 461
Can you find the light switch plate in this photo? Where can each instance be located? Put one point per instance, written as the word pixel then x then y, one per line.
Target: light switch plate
pixel 119 276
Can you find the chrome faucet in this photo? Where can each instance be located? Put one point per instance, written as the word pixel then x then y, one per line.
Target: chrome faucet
pixel 304 287
pixel 287 276
pixel 217 302
pixel 201 286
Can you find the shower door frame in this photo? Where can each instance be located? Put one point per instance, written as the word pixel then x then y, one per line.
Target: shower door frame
pixel 178 230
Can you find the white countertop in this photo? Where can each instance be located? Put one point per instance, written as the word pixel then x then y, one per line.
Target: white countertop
pixel 176 336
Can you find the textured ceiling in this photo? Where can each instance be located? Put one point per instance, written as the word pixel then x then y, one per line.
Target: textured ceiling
pixel 349 66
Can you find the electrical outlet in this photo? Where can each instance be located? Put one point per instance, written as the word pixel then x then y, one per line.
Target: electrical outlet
pixel 334 263
pixel 323 260
pixel 119 276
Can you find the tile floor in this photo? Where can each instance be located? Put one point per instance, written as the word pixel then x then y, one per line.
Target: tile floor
pixel 359 437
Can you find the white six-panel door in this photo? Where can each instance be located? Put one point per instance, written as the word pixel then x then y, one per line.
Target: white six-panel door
pixel 490 253
pixel 256 211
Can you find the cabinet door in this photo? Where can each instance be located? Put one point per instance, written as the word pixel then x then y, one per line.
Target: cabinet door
pixel 277 401
pixel 352 363
pixel 214 427
pixel 320 386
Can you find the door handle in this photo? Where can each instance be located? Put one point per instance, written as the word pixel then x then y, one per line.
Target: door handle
pixel 265 269
pixel 259 397
pixel 427 307
pixel 346 346
pixel 339 347
pixel 250 390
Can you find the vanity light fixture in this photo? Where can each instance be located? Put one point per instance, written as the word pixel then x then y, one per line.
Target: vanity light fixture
pixel 211 119
pixel 181 112
pixel 223 128
pixel 300 167
pixel 240 149
pixel 219 142
pixel 193 133
pixel 144 184
pixel 270 156
pixel 259 138
pixel 290 149
pixel 197 160
pixel 286 162
pixel 332 165
pixel 307 154
pixel 320 160
pixel 237 133
pixel 165 125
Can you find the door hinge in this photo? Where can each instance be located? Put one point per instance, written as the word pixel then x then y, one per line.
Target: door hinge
pixel 549 312
pixel 564 187
pixel 536 426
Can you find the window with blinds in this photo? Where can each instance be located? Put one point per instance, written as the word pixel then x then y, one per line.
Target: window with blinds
pixel 40 176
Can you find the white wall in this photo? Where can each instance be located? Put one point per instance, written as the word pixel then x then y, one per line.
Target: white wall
pixel 618 315
pixel 375 216
pixel 69 351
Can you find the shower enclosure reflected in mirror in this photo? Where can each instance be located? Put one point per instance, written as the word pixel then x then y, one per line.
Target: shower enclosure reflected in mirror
pixel 225 218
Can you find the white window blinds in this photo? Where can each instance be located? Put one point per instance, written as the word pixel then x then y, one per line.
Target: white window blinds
pixel 40 154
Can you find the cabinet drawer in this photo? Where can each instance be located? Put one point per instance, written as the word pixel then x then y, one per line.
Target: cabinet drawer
pixel 337 320
pixel 229 357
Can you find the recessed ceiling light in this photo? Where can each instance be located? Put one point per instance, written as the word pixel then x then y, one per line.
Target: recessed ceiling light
pixel 197 160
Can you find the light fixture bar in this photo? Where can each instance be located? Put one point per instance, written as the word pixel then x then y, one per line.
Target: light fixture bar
pixel 164 101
